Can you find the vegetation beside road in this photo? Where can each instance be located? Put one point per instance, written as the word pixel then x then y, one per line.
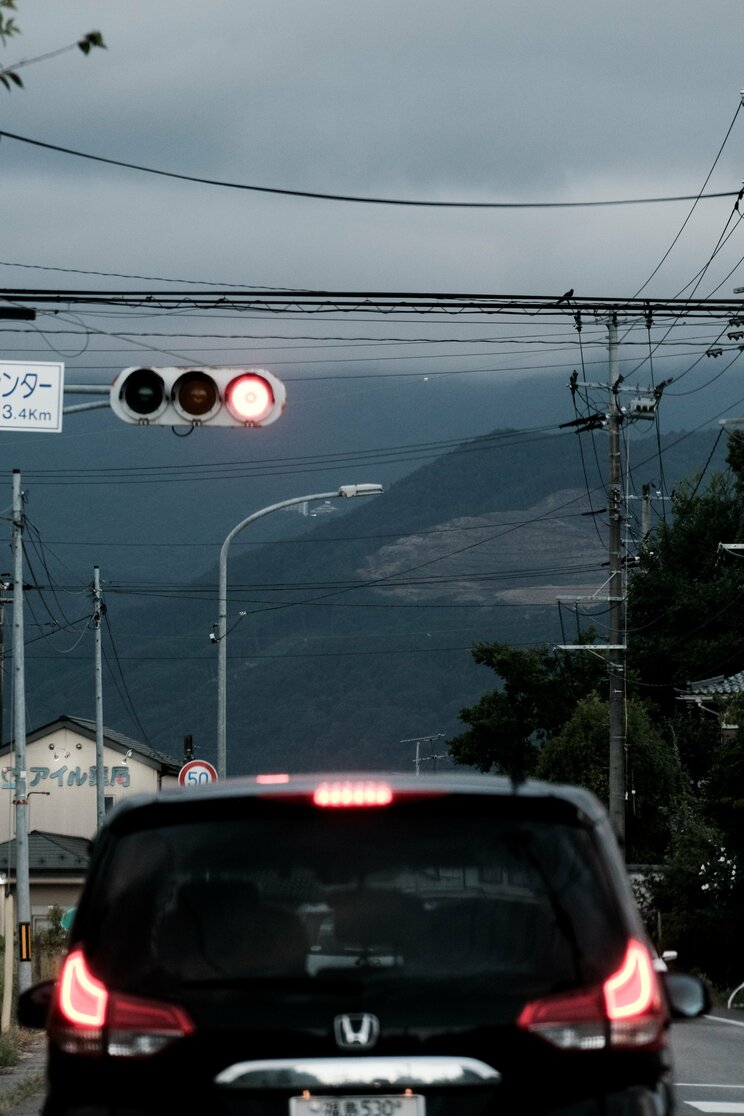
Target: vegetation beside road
pixel 49 946
pixel 549 717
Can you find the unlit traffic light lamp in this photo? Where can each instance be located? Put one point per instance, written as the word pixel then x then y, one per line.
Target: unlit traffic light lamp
pixel 198 396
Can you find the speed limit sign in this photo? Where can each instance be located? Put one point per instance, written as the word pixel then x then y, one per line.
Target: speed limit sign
pixel 197 773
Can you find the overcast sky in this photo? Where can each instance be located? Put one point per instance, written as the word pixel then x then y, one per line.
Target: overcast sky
pixel 474 100
pixel 467 101
pixel 470 101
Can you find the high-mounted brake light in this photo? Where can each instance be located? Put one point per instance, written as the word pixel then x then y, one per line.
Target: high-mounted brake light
pixel 87 1018
pixel 351 792
pixel 626 1011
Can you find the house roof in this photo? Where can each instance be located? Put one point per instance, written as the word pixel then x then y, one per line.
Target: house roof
pixel 719 686
pixel 116 740
pixel 49 852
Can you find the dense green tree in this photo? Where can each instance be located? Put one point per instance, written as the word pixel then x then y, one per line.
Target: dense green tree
pixel 686 623
pixel 723 799
pixel 686 597
pixel 579 754
pixel 695 734
pixel 697 900
pixel 508 726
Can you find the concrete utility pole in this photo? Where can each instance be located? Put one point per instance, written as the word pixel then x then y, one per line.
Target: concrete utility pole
pixel 98 610
pixel 643 407
pixel 6 583
pixel 646 513
pixel 23 887
pixel 616 587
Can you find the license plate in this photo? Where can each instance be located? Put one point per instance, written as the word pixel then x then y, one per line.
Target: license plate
pixel 357 1106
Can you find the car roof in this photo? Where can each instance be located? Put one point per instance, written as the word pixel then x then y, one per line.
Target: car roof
pixel 282 785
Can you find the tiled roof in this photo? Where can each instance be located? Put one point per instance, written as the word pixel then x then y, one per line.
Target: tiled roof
pixel 711 687
pixel 49 852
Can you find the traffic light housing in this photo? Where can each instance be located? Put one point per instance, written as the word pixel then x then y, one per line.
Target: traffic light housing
pixel 197 396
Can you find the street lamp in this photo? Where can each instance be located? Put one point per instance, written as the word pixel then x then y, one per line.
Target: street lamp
pixel 344 492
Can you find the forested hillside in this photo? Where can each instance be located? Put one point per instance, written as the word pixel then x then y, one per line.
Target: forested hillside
pixel 357 631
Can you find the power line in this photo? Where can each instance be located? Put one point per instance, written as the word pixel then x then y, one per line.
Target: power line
pixel 359 199
pixel 158 474
pixel 301 540
pixel 122 275
pixel 385 303
pixel 695 202
pixel 120 683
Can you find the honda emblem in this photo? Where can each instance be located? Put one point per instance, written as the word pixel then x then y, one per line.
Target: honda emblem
pixel 357 1031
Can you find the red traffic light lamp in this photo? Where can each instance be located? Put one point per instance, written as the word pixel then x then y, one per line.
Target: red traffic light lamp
pixel 197 396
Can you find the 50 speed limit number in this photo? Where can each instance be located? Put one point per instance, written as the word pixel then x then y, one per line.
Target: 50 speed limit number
pixel 197 773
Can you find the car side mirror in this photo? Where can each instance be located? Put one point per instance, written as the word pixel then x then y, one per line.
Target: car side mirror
pixel 34 1003
pixel 688 996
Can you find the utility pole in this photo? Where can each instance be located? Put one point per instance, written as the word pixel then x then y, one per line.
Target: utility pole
pixel 641 407
pixel 649 493
pixel 418 741
pixel 99 609
pixel 23 887
pixel 616 594
pixel 646 513
pixel 6 583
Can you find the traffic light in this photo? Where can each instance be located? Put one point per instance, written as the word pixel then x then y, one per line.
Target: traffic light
pixel 198 396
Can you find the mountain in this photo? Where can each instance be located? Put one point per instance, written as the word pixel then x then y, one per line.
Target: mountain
pixel 359 622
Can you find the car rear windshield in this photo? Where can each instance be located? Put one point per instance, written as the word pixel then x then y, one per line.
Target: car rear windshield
pixel 422 891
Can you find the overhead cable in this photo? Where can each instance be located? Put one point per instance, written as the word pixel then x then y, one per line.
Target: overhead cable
pixel 356 198
pixel 699 196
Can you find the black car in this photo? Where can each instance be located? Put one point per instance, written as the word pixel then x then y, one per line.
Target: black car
pixel 359 946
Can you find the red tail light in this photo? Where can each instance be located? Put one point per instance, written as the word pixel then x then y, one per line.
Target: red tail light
pixel 353 792
pixel 87 1018
pixel 625 1011
pixel 81 998
pixel 632 989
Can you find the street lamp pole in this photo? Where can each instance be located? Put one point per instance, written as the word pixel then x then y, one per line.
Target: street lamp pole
pixel 344 492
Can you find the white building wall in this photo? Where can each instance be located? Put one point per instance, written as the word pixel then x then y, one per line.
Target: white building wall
pixel 61 782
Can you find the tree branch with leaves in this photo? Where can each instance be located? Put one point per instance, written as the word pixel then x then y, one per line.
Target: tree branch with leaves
pixel 9 28
pixel 538 693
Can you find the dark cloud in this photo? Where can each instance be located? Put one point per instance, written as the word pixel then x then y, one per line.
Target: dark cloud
pixel 474 101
